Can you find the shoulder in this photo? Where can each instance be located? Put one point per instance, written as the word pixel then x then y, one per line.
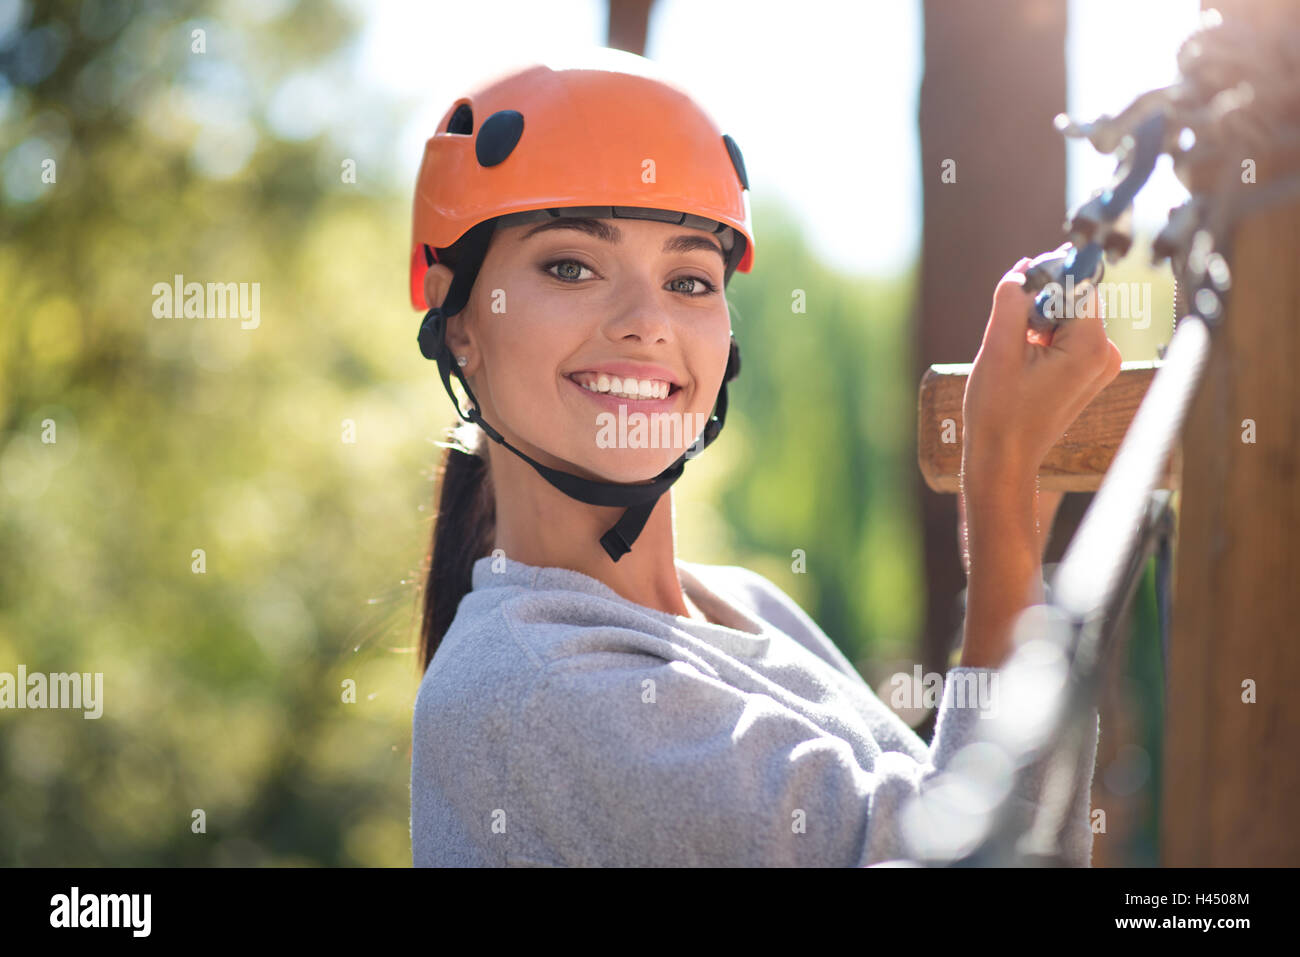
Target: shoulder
pixel 757 591
pixel 767 600
pixel 507 637
pixel 478 671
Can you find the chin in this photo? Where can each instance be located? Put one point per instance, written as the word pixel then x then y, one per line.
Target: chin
pixel 634 452
pixel 629 466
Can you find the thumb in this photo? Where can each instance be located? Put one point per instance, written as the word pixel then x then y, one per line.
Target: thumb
pixel 1009 318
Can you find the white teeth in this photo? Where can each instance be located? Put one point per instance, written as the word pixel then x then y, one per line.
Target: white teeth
pixel 625 387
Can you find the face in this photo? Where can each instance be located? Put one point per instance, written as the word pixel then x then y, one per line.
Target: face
pixel 595 346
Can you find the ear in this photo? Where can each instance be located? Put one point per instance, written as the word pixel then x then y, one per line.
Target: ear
pixel 436 283
pixel 437 280
pixel 458 339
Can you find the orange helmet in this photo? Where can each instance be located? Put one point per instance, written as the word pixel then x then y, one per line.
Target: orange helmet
pixel 601 140
pixel 611 136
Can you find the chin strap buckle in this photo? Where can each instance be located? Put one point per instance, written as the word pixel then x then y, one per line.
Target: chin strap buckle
pixel 617 542
pixel 430 337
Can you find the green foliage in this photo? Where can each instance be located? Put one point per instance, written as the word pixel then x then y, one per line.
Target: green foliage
pixel 816 448
pixel 223 689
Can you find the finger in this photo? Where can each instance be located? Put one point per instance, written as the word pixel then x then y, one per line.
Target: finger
pixel 1009 318
pixel 1082 334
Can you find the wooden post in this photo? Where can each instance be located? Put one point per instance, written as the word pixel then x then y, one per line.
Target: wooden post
pixel 629 22
pixel 994 79
pixel 1232 768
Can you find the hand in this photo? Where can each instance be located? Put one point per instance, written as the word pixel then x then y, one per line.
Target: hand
pixel 1023 392
pixel 1025 389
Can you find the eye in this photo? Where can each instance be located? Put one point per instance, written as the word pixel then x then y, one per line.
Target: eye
pixel 570 270
pixel 690 290
pixel 573 272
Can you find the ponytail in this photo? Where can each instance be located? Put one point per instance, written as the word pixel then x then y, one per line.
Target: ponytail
pixel 464 524
pixel 463 532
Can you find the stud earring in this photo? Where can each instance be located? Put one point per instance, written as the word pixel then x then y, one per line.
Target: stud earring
pixel 461 360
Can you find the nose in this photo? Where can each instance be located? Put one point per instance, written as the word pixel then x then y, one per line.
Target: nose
pixel 639 312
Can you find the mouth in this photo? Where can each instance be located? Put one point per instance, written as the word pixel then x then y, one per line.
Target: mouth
pixel 612 392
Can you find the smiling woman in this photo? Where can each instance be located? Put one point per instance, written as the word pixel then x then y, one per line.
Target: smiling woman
pixel 601 317
pixel 574 320
pixel 584 702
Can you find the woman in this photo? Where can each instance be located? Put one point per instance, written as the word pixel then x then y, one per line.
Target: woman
pixel 587 702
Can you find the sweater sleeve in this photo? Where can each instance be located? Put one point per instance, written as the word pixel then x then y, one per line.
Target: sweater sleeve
pixel 629 760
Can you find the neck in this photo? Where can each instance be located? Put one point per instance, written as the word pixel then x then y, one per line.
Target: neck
pixel 539 525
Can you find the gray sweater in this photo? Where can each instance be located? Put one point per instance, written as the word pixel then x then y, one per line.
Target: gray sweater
pixel 561 724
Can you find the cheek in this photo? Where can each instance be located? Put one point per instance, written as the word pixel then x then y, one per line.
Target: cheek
pixel 526 348
pixel 707 357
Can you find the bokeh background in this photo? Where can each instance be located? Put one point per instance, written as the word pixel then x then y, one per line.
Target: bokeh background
pixel 230 163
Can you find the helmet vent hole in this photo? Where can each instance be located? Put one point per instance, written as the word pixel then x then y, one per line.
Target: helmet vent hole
pixel 462 121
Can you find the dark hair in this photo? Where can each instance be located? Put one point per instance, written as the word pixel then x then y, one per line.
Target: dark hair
pixel 464 524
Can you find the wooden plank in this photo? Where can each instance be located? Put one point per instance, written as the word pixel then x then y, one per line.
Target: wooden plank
pixel 1076 463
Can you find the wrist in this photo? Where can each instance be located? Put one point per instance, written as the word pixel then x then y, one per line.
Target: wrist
pixel 1004 579
pixel 990 476
pixel 1001 513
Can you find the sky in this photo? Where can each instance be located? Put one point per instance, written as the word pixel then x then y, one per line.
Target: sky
pixel 774 81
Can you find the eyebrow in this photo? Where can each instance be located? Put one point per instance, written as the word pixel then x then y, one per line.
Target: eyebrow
pixel 602 230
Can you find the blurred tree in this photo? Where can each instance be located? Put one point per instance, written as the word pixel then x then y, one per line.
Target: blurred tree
pixel 222 689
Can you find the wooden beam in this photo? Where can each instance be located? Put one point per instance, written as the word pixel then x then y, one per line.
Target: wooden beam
pixel 1230 795
pixel 1231 782
pixel 994 76
pixel 629 23
pixel 1076 463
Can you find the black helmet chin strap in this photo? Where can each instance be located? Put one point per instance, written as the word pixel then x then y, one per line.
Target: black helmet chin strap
pixel 639 499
